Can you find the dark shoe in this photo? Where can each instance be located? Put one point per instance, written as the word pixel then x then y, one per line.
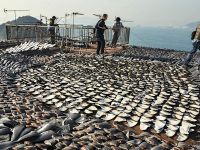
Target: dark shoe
pixel 199 67
pixel 187 67
pixel 190 66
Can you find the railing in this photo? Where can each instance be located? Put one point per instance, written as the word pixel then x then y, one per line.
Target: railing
pixel 77 34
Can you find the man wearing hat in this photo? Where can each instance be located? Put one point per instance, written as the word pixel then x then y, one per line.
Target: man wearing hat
pixel 116 28
pixel 52 30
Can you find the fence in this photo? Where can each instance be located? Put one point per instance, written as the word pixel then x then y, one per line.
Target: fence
pixel 76 34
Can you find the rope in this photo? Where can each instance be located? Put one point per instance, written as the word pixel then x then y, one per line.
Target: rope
pixel 148 45
pixel 123 55
pixel 141 39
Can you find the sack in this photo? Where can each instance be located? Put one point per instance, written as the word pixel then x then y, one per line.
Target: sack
pixel 193 34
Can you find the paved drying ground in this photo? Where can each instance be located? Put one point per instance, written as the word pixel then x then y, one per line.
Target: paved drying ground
pixel 132 88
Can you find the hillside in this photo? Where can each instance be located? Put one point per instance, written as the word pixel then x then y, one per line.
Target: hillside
pixel 20 20
pixel 192 25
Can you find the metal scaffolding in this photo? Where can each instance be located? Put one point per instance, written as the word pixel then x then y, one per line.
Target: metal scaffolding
pixel 75 36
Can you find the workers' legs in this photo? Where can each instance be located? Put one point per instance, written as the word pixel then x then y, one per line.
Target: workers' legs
pixel 52 37
pixel 50 32
pixel 115 38
pixel 101 44
pixel 192 52
pixel 98 46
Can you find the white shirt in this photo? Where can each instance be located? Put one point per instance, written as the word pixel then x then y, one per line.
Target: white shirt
pixel 195 40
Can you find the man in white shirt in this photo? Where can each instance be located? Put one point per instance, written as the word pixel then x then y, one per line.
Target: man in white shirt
pixel 116 28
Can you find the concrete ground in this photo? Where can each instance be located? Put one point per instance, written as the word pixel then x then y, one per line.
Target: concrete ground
pixel 108 50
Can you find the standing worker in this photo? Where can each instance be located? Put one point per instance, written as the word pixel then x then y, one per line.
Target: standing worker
pixel 196 45
pixel 101 27
pixel 116 28
pixel 52 29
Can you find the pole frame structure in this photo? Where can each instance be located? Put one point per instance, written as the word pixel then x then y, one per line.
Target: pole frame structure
pixel 74 14
pixel 66 27
pixel 73 18
pixel 15 21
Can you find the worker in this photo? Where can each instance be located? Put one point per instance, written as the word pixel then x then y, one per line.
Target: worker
pixel 52 29
pixel 100 28
pixel 117 31
pixel 196 45
pixel 39 22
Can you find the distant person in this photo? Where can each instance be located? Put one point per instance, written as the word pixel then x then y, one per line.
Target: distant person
pixel 100 28
pixel 196 44
pixel 52 29
pixel 116 28
pixel 39 22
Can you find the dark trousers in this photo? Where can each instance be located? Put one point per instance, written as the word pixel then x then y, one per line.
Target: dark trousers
pixel 101 44
pixel 115 38
pixel 52 37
